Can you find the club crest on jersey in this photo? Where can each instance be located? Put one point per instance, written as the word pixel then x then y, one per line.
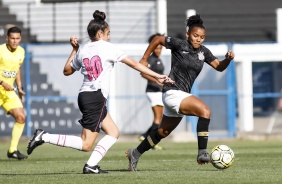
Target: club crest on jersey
pixel 201 56
pixel 168 39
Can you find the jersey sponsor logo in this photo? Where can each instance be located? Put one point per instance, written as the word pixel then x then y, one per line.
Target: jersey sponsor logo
pixel 185 52
pixel 9 74
pixel 201 56
pixel 93 67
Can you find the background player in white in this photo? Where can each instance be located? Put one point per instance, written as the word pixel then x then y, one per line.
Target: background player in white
pixel 187 60
pixel 96 61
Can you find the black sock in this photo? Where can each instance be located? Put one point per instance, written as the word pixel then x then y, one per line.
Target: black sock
pixel 152 139
pixel 203 132
pixel 147 132
pixel 153 127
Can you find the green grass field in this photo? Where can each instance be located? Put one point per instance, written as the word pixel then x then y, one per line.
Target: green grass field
pixel 255 162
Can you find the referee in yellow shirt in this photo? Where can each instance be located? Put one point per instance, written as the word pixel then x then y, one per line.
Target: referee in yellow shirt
pixel 11 59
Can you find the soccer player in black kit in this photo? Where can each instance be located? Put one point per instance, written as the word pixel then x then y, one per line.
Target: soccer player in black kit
pixel 154 90
pixel 187 60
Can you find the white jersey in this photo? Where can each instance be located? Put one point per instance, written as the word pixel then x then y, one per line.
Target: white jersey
pixel 96 61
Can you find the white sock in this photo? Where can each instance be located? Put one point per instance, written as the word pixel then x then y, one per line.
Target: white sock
pixel 101 149
pixel 69 141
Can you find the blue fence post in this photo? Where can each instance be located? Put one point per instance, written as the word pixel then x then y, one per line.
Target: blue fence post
pixel 27 91
pixel 231 97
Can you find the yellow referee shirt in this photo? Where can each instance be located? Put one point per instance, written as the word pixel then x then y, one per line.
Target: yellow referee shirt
pixel 10 63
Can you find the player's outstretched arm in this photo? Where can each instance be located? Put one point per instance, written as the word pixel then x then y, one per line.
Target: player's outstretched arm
pixel 141 68
pixel 222 65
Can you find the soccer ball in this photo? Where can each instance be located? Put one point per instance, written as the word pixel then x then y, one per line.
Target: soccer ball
pixel 222 157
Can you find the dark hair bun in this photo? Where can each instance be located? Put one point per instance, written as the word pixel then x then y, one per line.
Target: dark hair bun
pixel 194 19
pixel 98 15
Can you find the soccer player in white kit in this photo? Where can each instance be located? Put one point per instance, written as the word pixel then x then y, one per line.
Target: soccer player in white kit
pixel 96 61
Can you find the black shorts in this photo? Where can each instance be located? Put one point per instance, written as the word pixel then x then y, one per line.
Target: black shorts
pixel 92 105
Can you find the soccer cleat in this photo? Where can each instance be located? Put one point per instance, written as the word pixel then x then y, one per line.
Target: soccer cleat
pixel 93 170
pixel 35 141
pixel 203 157
pixel 16 154
pixel 132 161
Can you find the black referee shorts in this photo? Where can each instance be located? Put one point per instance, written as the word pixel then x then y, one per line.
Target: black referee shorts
pixel 92 105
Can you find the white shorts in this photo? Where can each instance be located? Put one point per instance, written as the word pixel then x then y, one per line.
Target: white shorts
pixel 172 100
pixel 155 98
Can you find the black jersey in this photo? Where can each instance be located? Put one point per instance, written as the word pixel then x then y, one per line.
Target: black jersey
pixel 186 63
pixel 155 64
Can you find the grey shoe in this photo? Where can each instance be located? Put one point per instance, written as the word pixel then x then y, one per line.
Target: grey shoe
pixel 132 161
pixel 203 157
